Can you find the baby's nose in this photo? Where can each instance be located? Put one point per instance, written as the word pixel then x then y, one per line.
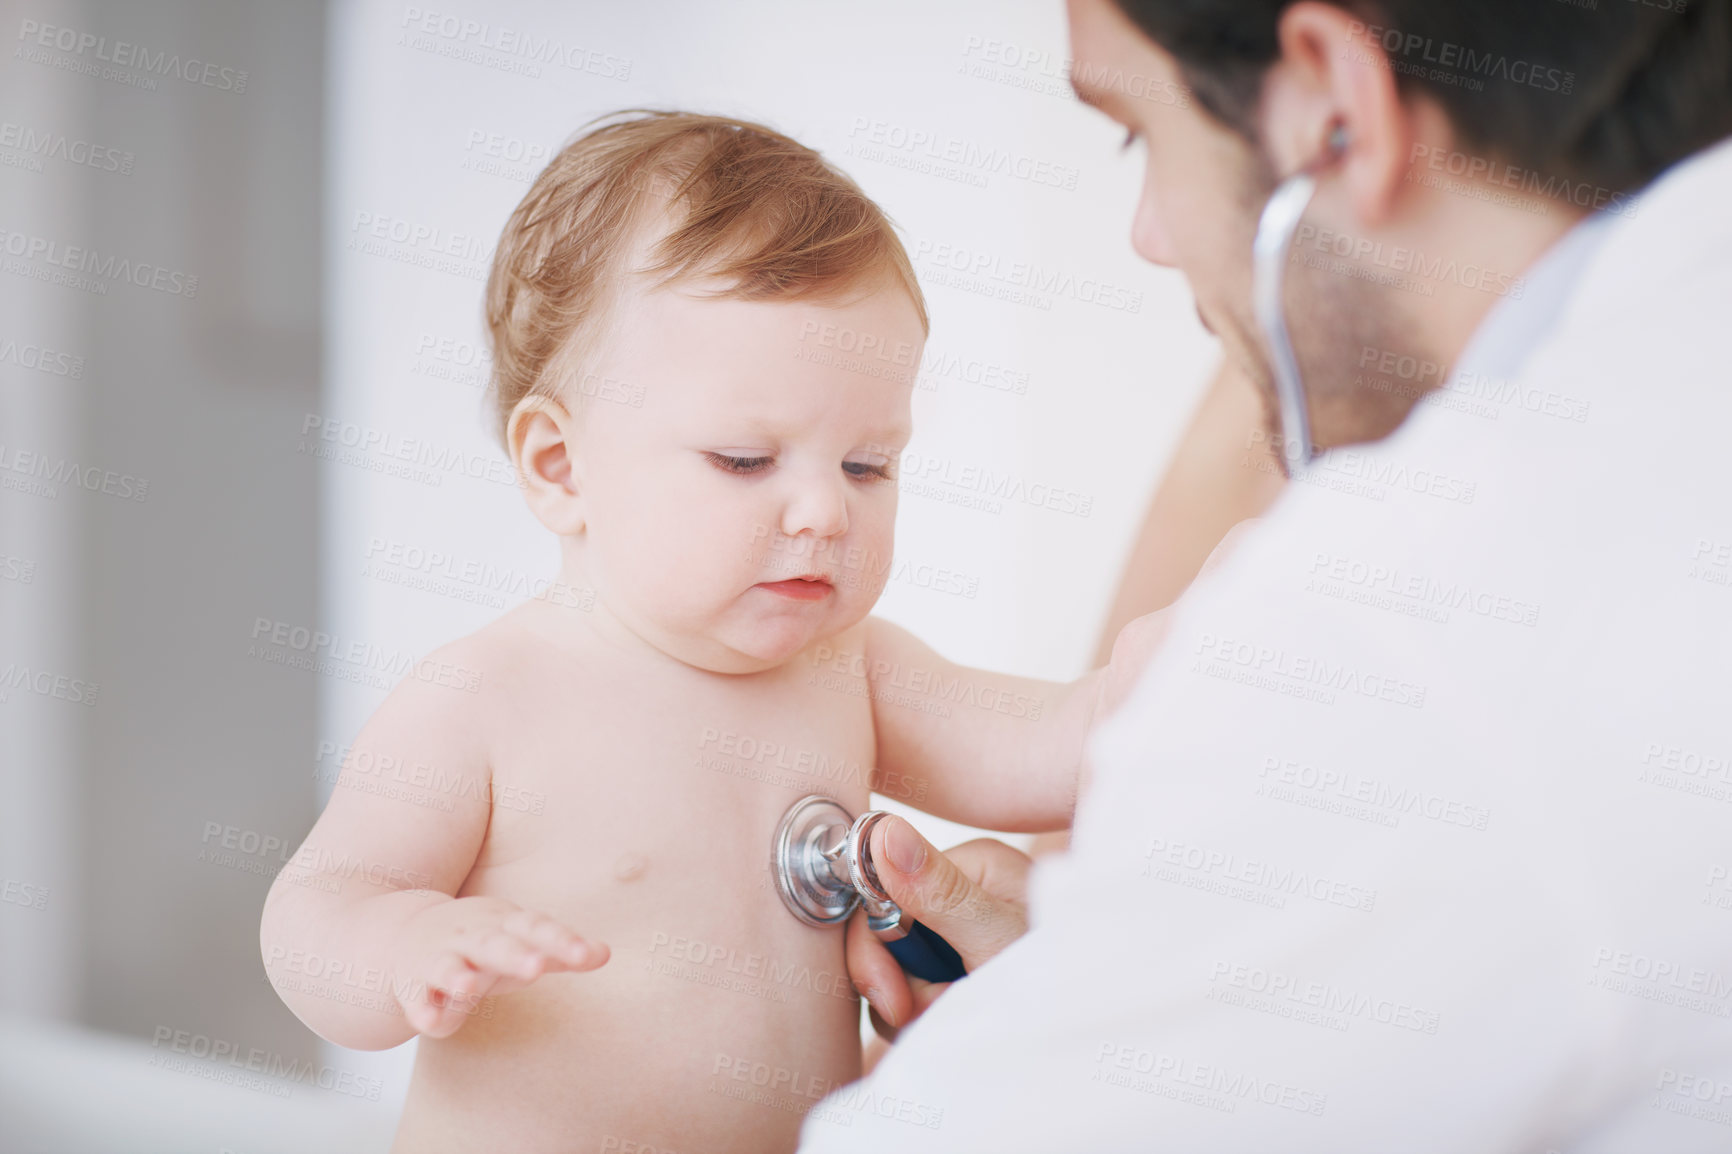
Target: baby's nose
pixel 821 510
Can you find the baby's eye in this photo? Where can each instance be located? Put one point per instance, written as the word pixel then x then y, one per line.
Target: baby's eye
pixel 739 464
pixel 876 467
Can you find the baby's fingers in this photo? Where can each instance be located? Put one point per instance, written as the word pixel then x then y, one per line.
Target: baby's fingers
pixel 506 955
pixel 452 992
pixel 563 949
pixel 515 952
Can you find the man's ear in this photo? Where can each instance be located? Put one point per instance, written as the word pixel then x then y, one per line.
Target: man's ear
pixel 542 439
pixel 1333 71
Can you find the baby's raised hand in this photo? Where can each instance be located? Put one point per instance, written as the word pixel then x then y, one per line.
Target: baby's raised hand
pixel 460 951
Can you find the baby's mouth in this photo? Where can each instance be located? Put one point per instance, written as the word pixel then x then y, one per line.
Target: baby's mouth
pixel 811 588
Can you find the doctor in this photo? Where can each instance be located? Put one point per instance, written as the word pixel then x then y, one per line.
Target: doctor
pixel 1415 834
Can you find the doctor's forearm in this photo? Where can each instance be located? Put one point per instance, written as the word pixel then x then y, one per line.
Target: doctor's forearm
pixel 1220 474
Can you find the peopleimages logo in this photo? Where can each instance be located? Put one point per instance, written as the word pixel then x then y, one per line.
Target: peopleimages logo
pixel 1497 174
pixel 1269 883
pixel 1301 675
pixel 15 678
pixel 1335 1003
pixel 884 140
pixel 40 358
pixel 525 47
pixel 1385 581
pixel 925 474
pixel 252 1059
pixel 124 54
pixel 1410 53
pixel 51 145
pixel 281 642
pixel 1201 1084
pixel 41 474
pixel 1409 261
pixel 383 451
pixel 1037 70
pixel 1018 281
pixel 88 261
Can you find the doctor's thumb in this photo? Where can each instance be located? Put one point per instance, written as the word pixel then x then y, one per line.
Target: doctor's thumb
pixel 974 897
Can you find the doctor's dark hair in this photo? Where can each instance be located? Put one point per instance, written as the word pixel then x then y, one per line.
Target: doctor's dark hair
pixel 653 198
pixel 1624 87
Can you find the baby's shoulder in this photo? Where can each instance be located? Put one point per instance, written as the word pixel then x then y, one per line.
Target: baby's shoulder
pixel 500 657
pixel 459 684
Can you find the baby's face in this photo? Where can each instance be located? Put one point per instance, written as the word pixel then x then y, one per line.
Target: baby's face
pixel 747 508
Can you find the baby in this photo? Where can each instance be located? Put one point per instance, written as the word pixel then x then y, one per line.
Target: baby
pixel 570 904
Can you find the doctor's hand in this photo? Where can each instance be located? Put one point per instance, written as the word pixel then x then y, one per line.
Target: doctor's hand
pixel 975 897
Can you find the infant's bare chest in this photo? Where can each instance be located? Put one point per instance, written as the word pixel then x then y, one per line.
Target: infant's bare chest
pixel 627 806
pixel 642 817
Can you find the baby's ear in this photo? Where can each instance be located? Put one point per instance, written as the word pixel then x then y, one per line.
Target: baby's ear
pixel 542 439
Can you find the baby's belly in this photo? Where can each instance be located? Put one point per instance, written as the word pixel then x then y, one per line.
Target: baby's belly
pixel 716 1025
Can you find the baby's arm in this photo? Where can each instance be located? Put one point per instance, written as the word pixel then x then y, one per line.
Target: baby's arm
pixel 367 903
pixel 989 749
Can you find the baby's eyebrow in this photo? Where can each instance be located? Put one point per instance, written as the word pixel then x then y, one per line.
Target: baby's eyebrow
pixel 752 429
pixel 756 427
pixel 887 439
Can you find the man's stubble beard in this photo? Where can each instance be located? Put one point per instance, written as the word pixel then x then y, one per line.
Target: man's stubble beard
pixel 1332 320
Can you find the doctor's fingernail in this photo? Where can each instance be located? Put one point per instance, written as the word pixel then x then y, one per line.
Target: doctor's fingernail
pixel 903 846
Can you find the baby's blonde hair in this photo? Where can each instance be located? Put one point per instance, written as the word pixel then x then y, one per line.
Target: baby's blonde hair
pixel 744 205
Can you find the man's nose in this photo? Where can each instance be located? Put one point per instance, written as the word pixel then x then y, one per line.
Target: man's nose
pixel 1149 234
pixel 816 506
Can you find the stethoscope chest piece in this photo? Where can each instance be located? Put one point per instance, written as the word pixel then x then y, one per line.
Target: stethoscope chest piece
pixel 822 861
pixel 809 861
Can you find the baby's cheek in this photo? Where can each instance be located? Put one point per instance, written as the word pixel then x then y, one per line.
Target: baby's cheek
pixel 875 542
pixel 655 553
pixel 879 522
pixel 724 548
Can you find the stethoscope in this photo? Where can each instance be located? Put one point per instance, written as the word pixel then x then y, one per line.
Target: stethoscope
pixel 822 862
pixel 1275 229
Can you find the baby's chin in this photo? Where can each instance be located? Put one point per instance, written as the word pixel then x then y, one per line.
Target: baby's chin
pixel 734 647
pixel 766 645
